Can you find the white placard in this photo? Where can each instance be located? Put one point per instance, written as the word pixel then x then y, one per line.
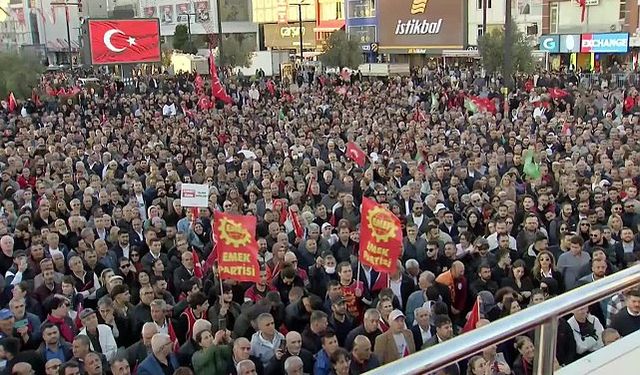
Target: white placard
pixel 194 195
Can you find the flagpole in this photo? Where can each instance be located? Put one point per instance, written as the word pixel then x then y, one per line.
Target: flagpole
pixel 43 16
pixel 358 274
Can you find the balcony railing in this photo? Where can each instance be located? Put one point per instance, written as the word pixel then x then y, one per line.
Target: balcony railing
pixel 543 317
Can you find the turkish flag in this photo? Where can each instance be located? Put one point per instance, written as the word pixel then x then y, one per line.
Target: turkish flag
pixel 356 154
pixel 217 89
pixel 380 237
pixel 583 9
pixel 13 104
pixel 556 93
pixel 204 103
pixel 474 317
pixel 236 247
pixel 124 41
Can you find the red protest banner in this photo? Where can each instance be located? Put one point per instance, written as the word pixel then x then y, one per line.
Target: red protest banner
pixel 236 246
pixel 380 237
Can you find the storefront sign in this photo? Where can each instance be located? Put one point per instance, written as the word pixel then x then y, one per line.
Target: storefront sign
pixel 605 43
pixel 417 26
pixel 287 36
pixel 550 43
pixel 570 43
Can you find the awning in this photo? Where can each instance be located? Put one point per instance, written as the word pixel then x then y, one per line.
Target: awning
pixel 464 53
pixel 325 29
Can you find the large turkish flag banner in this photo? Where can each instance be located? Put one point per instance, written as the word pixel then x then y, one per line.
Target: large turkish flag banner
pixel 124 41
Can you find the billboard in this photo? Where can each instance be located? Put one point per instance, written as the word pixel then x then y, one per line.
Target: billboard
pixel 124 41
pixel 605 43
pixel 570 43
pixel 549 43
pixel 287 36
pixel 417 25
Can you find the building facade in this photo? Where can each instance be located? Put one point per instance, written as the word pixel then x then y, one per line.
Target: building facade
pixel 604 34
pixel 527 15
pixel 362 26
pixel 279 22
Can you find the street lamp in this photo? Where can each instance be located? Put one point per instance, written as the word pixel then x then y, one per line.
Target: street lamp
pixel 300 5
pixel 66 12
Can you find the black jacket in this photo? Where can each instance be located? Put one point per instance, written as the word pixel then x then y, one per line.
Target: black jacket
pixel 276 367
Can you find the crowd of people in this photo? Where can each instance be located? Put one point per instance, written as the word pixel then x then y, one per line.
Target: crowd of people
pixel 102 270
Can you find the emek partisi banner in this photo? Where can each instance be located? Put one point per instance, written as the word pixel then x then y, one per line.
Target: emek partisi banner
pixel 236 246
pixel 380 237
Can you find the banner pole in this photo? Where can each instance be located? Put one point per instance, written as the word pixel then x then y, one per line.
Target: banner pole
pixel 221 288
pixel 358 274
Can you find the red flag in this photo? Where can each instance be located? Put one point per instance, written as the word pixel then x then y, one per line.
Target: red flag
pixel 381 282
pixel 380 237
pixel 198 83
pixel 124 41
pixel 271 88
pixel 356 154
pixel 556 93
pixel 583 8
pixel 528 86
pixel 311 181
pixel 204 103
pixel 474 316
pixel 12 102
pixel 197 269
pixel 216 87
pixel 36 98
pixel 236 246
pixel 419 115
pixel 293 221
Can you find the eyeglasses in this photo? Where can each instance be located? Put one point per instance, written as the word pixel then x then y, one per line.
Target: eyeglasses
pixel 509 222
pixel 430 249
pixel 135 255
pixel 125 265
pixel 585 225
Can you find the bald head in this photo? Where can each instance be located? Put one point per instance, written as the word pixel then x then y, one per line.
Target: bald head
pixel 21 368
pixel 293 335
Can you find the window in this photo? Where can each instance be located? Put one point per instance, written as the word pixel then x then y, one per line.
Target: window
pixel 331 10
pixel 623 10
pixel 234 10
pixel 361 8
pixel 480 4
pixel 553 18
pixel 363 34
pixel 479 31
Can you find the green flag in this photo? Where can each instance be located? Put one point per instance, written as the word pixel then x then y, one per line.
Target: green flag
pixel 470 106
pixel 281 115
pixel 531 168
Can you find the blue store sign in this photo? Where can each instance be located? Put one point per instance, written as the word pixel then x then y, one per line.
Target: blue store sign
pixel 605 43
pixel 550 43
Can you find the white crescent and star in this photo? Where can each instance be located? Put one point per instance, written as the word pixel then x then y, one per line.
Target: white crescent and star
pixel 107 40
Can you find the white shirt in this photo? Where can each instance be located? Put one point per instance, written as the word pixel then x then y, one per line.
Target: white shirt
pixel 396 288
pixel 426 334
pixel 401 343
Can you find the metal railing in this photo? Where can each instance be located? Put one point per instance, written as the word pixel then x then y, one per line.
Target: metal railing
pixel 543 317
